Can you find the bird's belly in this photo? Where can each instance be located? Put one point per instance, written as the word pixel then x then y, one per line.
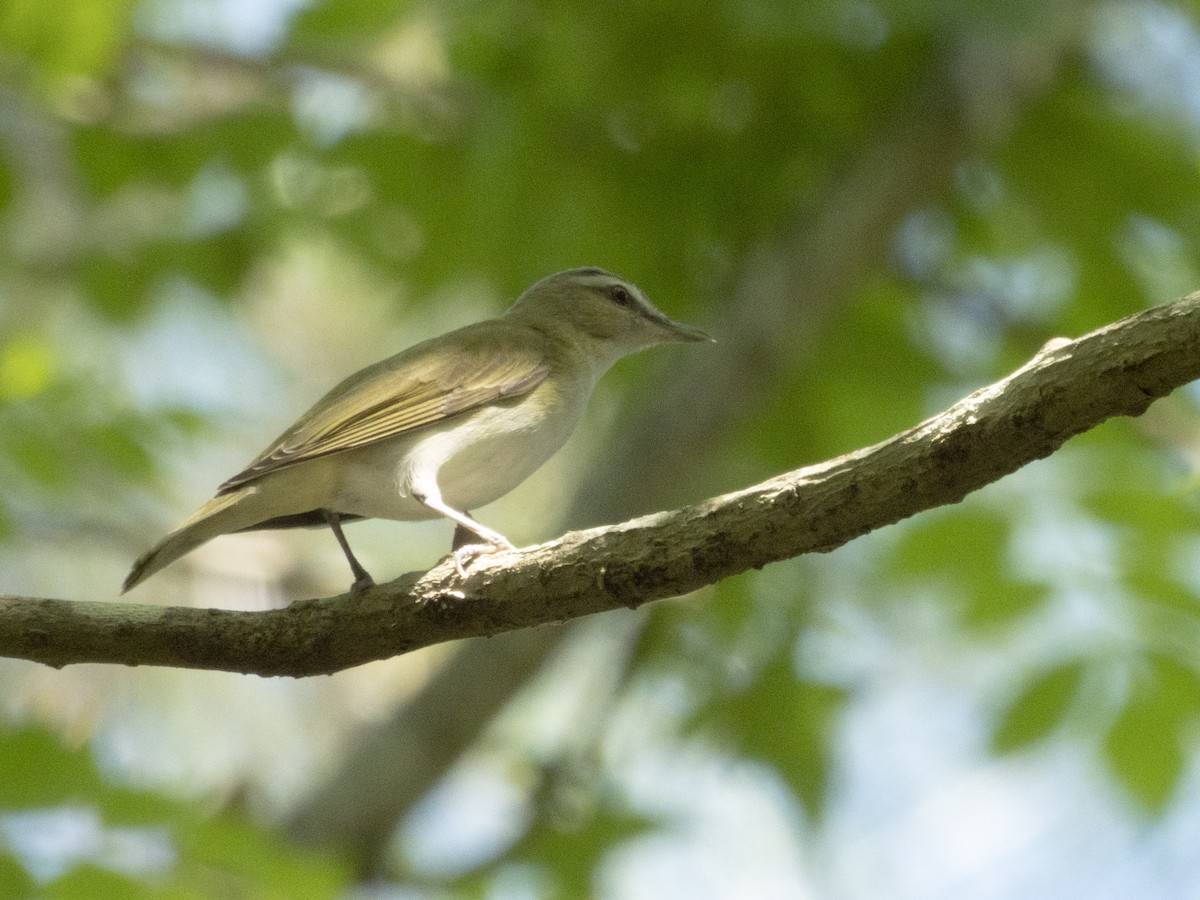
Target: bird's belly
pixel 374 490
pixel 479 459
pixel 490 468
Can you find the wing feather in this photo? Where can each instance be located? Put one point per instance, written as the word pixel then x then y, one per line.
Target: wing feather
pixel 420 387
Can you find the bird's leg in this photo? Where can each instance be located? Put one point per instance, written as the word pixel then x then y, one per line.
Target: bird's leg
pixel 497 540
pixel 465 526
pixel 462 536
pixel 362 578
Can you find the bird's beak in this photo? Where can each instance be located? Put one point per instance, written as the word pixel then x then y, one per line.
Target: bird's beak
pixel 677 331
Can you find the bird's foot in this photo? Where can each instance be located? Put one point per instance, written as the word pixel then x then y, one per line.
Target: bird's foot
pixel 468 553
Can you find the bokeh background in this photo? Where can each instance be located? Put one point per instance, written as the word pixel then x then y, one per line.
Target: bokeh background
pixel 211 210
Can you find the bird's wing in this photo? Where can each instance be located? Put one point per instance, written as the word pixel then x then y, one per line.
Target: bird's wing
pixel 418 388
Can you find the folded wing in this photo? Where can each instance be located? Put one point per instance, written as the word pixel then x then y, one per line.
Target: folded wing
pixel 423 386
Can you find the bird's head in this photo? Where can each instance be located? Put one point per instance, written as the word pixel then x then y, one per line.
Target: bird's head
pixel 593 307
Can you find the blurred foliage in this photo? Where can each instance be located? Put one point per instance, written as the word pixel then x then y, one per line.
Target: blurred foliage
pixel 427 147
pixel 786 723
pixel 1040 706
pixel 561 857
pixel 1147 744
pixel 986 592
pixel 67 831
pixel 82 39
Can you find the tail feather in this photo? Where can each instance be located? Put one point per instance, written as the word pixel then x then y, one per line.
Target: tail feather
pixel 221 515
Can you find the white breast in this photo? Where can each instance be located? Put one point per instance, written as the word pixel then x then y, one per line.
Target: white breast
pixel 473 460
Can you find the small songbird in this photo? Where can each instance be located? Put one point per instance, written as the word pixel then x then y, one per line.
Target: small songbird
pixel 443 427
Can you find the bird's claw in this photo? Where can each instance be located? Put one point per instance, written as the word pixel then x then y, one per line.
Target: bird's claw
pixel 468 553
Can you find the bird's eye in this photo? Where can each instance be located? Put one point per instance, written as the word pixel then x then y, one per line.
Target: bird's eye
pixel 620 295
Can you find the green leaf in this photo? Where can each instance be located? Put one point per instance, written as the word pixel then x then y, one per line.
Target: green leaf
pixel 118 289
pixel 45 773
pixel 40 457
pixel 786 722
pixel 87 882
pixel 1006 601
pixel 1145 747
pixel 329 22
pixel 42 772
pixel 937 544
pixel 568 855
pixel 28 365
pixel 1141 503
pixel 1150 582
pixel 1143 750
pixel 7 182
pixel 115 444
pixel 1044 164
pixel 835 404
pixel 72 38
pixel 110 159
pixel 221 857
pixel 1038 708
pixel 226 856
pixel 964 550
pixel 14 881
pixel 217 263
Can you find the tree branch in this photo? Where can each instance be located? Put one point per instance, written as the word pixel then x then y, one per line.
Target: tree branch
pixel 1066 389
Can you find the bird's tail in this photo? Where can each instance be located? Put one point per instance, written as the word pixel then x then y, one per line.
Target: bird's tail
pixel 221 515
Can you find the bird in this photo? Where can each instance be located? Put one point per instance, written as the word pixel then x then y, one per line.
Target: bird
pixel 445 426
